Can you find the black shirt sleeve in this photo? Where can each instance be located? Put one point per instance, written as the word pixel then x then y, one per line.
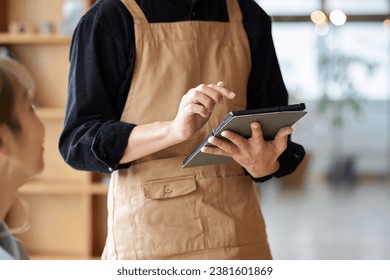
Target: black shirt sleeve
pixel 101 63
pixel 266 87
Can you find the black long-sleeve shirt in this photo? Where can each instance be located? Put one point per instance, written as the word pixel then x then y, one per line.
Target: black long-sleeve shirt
pixel 102 59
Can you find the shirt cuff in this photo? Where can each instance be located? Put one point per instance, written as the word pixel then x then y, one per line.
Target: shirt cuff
pixel 110 143
pixel 288 160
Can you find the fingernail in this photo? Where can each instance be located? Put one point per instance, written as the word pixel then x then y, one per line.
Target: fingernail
pixel 232 94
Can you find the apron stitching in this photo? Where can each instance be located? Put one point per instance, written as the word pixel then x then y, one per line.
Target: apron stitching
pixel 136 230
pixel 261 243
pixel 203 225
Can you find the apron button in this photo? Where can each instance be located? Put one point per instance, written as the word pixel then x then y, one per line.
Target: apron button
pixel 168 189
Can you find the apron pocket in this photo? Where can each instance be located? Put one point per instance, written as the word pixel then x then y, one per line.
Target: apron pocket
pixel 169 187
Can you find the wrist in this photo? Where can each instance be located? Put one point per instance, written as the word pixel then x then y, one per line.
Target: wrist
pixel 173 135
pixel 276 167
pixel 262 172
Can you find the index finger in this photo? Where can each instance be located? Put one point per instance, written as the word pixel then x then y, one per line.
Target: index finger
pixel 224 91
pixel 216 93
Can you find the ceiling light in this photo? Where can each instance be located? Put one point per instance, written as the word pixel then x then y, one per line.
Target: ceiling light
pixel 318 17
pixel 338 17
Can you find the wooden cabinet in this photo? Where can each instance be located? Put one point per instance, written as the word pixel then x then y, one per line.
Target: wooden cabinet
pixel 66 209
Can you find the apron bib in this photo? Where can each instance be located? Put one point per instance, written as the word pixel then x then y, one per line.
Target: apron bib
pixel 157 209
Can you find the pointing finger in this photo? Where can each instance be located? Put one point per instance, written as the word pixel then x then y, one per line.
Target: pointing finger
pixel 223 91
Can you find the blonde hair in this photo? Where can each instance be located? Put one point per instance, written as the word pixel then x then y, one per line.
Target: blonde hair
pixel 10 70
pixel 14 69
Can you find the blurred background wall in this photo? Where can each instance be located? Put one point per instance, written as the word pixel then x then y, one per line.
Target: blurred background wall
pixel 334 56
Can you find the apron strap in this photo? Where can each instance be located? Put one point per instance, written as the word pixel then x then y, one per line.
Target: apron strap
pixel 135 11
pixel 234 11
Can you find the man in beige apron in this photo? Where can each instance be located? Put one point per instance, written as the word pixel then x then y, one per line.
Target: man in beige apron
pixel 157 209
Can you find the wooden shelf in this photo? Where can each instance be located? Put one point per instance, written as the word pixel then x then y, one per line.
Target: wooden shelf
pixel 66 208
pixel 62 257
pixel 99 189
pixel 34 39
pixel 47 187
pixel 50 113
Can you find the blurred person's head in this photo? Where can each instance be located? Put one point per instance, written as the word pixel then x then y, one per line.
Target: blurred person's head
pixel 21 131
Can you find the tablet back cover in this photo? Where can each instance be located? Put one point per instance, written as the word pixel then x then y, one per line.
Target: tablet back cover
pixel 270 124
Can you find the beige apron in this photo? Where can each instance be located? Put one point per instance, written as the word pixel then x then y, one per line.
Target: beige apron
pixel 157 209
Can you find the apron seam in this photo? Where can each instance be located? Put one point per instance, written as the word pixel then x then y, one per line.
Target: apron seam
pixel 215 249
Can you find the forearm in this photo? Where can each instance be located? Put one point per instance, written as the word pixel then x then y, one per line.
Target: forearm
pixel 195 108
pixel 147 139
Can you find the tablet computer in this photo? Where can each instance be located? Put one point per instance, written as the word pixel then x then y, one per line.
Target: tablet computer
pixel 271 120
